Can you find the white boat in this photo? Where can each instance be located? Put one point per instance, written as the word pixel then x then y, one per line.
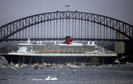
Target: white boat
pixel 51 78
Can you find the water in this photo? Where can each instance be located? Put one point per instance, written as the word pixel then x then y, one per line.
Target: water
pixel 102 74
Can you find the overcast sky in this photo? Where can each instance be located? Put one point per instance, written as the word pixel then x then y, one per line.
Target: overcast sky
pixel 11 10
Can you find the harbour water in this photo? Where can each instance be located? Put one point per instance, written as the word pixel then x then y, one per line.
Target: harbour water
pixel 67 74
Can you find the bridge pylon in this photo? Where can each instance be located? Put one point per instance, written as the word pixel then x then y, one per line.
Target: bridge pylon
pixel 119 46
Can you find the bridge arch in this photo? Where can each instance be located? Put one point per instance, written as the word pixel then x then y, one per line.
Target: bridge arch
pixel 11 28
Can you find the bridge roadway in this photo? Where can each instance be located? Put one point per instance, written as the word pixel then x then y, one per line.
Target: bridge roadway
pixel 85 39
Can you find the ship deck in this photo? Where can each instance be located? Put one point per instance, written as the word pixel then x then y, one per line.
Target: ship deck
pixel 64 54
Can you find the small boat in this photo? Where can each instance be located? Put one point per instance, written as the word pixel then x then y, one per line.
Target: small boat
pixel 51 78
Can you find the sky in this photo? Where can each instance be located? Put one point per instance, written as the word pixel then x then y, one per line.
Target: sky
pixel 11 10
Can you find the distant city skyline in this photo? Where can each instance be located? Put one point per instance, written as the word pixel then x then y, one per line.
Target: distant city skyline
pixel 11 10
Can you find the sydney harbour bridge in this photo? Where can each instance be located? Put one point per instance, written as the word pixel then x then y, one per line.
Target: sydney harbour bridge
pixel 56 25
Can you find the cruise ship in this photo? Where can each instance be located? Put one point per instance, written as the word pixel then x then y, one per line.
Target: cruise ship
pixel 65 52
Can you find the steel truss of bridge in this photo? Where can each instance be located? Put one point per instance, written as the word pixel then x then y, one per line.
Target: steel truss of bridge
pixel 56 25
